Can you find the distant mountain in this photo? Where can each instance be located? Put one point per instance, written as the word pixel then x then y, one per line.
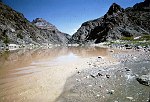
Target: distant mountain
pixel 50 32
pixel 115 24
pixel 43 24
pixel 16 29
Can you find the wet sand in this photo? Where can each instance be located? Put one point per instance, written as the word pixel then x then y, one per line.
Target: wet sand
pixel 40 75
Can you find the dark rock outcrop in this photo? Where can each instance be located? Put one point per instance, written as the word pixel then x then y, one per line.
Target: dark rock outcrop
pixel 16 29
pixel 116 23
pixel 144 79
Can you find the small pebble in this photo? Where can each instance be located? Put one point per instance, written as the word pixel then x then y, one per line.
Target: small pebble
pixel 111 50
pixel 130 98
pixel 90 85
pixel 87 77
pixel 79 72
pixel 93 76
pixel 99 74
pixel 99 57
pixel 78 80
pixel 97 95
pixel 127 69
pixel 111 92
pixel 107 76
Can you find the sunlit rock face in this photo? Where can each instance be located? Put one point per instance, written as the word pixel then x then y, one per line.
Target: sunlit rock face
pixel 43 24
pixel 51 32
pixel 116 23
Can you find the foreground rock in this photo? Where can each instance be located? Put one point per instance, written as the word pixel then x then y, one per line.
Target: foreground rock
pixel 115 24
pixel 144 79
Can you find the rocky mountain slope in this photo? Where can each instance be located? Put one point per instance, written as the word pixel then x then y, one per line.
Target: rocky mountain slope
pixel 51 33
pixel 16 29
pixel 115 24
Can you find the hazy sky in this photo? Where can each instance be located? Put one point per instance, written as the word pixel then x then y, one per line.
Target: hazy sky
pixel 66 15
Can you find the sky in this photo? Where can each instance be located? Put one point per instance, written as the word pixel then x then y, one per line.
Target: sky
pixel 66 15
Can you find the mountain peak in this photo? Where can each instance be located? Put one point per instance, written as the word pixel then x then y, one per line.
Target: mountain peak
pixel 43 24
pixel 114 8
pixel 142 5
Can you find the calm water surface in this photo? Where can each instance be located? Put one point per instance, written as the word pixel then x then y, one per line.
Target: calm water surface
pixel 40 74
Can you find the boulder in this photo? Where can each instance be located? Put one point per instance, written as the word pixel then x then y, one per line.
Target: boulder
pixel 144 79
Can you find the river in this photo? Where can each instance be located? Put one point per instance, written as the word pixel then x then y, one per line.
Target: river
pixel 39 75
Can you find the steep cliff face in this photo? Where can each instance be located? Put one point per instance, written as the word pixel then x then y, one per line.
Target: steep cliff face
pixel 139 14
pixel 116 23
pixel 16 29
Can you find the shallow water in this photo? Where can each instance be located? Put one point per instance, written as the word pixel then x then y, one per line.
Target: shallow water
pixel 40 74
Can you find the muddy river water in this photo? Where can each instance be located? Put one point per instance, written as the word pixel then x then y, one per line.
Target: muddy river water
pixel 50 75
pixel 39 75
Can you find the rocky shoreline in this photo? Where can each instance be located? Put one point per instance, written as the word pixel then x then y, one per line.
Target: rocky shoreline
pixel 111 83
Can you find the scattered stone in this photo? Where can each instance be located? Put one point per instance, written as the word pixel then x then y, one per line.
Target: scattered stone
pixel 79 72
pixel 139 47
pixel 111 50
pixel 90 85
pixel 111 92
pixel 99 57
pixel 93 76
pixel 103 96
pixel 87 77
pixel 126 45
pixel 97 95
pixel 99 74
pixel 130 98
pixel 127 69
pixel 107 76
pixel 94 65
pixel 78 80
pixel 144 79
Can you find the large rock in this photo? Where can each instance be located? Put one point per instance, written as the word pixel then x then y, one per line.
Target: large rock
pixel 144 79
pixel 115 24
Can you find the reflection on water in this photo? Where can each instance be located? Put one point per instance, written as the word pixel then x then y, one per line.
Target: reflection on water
pixel 24 58
pixel 68 58
pixel 39 74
